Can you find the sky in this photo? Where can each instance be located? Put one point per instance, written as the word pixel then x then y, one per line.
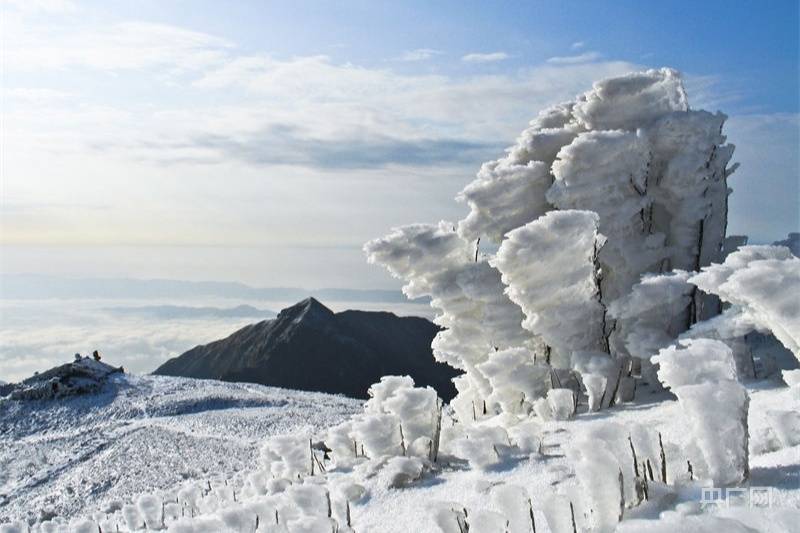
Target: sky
pixel 265 142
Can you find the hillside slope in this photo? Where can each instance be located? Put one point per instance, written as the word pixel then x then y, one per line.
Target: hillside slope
pixel 67 455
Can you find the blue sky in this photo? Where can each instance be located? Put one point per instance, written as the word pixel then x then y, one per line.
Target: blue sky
pixel 255 141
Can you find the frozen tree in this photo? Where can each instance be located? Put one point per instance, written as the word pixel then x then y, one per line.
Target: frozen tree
pixel 632 151
pixel 479 319
pixel 623 181
pixel 702 374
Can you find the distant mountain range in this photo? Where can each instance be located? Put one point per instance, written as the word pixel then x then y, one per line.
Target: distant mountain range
pixel 172 312
pixel 35 286
pixel 309 347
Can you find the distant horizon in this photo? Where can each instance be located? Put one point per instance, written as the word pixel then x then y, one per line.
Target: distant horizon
pixel 74 284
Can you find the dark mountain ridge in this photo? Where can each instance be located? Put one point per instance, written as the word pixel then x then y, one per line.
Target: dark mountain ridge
pixel 309 347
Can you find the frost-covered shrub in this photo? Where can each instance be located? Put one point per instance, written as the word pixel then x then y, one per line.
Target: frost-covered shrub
pixel 695 361
pixel 515 505
pixel 189 495
pixel 543 409
pixel 685 524
pixel 560 510
pixel 339 439
pixel 486 521
pixel 238 518
pixel 133 518
pixel 310 499
pixel 287 456
pixel 450 518
pixel 417 409
pixel 402 471
pixel 150 509
pixel 82 525
pixel 200 524
pixel 761 283
pixel 526 436
pixel 385 389
pixel 600 475
pixel 648 173
pixel 399 419
pixel 516 379
pixel 702 374
pixel 717 416
pixel 562 403
pixel 379 434
pixel 616 163
pixel 483 446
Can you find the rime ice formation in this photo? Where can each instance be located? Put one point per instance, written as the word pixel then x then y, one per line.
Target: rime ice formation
pixel 652 315
pixel 632 151
pixel 702 374
pixel 653 174
pixel 761 283
pixel 479 318
pixel 549 269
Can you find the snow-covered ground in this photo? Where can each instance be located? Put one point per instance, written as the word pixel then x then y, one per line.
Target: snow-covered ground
pixel 76 456
pixel 411 509
pixel 72 455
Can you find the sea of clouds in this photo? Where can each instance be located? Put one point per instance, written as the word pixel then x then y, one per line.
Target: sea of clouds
pixel 36 334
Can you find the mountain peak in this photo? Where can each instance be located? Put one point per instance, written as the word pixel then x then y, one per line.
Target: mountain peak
pixel 309 308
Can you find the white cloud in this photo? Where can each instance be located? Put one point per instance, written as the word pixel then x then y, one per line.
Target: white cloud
pixel 577 45
pixel 44 6
pixel 122 46
pixel 420 54
pixel 36 94
pixel 279 133
pixel 37 343
pixel 484 58
pixel 586 57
